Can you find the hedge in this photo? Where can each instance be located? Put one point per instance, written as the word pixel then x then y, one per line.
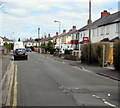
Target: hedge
pixel 96 55
pixel 70 57
pixel 116 55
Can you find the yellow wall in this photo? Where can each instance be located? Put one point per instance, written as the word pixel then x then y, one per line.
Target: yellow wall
pixel 110 59
pixel 68 39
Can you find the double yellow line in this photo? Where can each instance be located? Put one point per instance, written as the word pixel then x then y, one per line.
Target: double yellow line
pixel 12 89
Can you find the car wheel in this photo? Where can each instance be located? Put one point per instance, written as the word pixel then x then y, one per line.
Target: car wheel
pixel 26 58
pixel 14 58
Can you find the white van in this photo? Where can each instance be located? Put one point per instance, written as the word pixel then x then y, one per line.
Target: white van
pixel 18 45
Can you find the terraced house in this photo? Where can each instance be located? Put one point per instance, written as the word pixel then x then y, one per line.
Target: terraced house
pixel 105 29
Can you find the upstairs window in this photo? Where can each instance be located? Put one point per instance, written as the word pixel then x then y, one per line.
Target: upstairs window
pixel 118 28
pixel 102 30
pixel 97 31
pixel 107 29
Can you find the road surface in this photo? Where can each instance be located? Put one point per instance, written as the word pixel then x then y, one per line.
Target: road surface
pixel 42 81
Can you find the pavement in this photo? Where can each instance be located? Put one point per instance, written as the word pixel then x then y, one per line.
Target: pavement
pixel 108 71
pixel 5 62
pixel 5 73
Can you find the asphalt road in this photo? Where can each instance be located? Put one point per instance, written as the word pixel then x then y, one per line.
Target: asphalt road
pixel 43 81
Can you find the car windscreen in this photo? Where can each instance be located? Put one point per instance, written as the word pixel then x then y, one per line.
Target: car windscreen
pixel 20 50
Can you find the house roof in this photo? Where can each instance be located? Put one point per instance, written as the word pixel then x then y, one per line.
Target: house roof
pixel 6 39
pixel 29 40
pixel 71 31
pixel 113 18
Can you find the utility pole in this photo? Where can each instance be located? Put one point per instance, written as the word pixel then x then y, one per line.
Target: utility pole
pixel 38 33
pixel 38 39
pixel 89 21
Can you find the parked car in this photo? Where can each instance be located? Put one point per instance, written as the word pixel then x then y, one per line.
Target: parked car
pixel 28 49
pixel 20 53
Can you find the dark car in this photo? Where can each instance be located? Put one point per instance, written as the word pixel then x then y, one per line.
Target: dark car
pixel 20 53
pixel 28 49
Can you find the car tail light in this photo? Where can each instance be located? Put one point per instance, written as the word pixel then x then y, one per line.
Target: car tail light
pixel 25 53
pixel 15 53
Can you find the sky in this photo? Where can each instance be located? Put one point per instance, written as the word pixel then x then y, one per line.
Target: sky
pixel 22 18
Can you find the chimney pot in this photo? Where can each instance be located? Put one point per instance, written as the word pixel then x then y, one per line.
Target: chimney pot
pixel 64 31
pixel 74 27
pixel 48 35
pixel 105 13
pixel 88 22
pixel 56 33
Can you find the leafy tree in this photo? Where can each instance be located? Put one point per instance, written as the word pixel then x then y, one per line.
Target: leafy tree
pixel 8 46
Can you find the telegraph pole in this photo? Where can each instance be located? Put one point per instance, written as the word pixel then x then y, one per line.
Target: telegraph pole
pixel 38 39
pixel 90 21
pixel 89 56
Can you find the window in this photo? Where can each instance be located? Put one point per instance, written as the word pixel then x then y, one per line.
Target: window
pixel 118 28
pixel 93 32
pixel 84 33
pixel 97 31
pixel 107 29
pixel 102 30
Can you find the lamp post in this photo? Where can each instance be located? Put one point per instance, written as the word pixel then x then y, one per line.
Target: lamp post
pixel 59 26
pixel 38 40
pixel 59 30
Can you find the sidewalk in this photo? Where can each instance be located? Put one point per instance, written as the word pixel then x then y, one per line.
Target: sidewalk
pixel 5 62
pixel 109 72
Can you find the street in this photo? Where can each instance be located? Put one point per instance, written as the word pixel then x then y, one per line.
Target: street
pixel 43 81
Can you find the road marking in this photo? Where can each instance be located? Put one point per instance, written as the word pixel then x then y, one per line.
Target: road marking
pixel 15 89
pixel 8 101
pixel 105 102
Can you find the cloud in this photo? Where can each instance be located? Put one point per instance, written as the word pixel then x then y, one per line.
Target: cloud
pixel 25 16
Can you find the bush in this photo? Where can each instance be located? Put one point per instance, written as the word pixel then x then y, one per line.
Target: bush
pixel 96 55
pixel 116 55
pixel 71 57
pixel 68 51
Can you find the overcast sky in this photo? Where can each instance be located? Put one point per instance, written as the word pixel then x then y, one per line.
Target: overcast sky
pixel 21 18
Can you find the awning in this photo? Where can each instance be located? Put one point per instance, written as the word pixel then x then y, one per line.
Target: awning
pixel 82 42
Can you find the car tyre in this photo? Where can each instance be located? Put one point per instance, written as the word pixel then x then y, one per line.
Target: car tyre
pixel 26 58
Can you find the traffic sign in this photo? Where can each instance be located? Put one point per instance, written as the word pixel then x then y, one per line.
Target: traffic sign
pixel 85 38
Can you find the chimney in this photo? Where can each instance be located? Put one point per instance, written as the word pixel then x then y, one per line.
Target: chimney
pixel 56 33
pixel 64 31
pixel 74 27
pixel 88 22
pixel 48 35
pixel 105 13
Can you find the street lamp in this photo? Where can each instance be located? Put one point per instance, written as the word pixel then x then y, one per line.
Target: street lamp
pixel 59 31
pixel 59 26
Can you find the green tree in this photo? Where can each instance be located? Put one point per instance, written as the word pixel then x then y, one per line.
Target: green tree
pixel 8 46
